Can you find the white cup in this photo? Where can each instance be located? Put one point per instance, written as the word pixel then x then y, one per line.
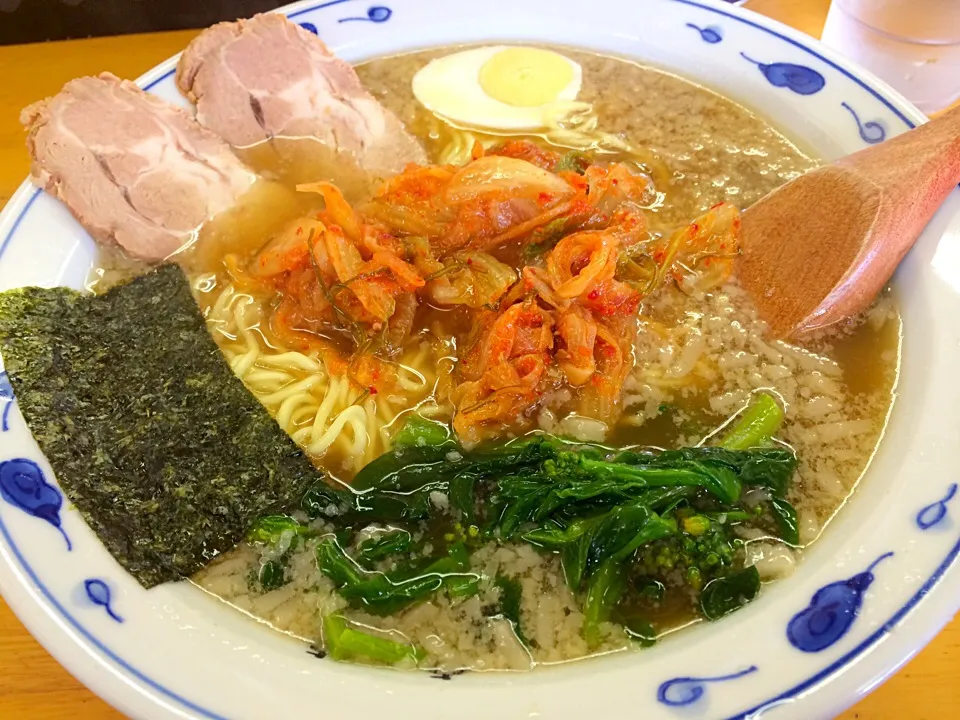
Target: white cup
pixel 912 44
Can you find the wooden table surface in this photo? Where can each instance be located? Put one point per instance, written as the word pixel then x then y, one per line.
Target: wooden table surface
pixel 32 684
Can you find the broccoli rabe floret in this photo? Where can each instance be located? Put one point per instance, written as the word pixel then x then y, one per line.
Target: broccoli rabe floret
pixel 697 557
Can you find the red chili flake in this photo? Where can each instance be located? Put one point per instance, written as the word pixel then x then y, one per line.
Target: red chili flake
pixel 544 197
pixel 614 181
pixel 469 261
pixel 372 389
pixel 714 207
pixel 723 246
pixel 594 294
pixel 658 256
pixel 300 230
pixel 694 228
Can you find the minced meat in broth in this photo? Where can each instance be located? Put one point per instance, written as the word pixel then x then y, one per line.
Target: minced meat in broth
pixel 697 361
pixel 713 148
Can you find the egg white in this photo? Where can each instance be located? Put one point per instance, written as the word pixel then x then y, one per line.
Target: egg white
pixel 450 87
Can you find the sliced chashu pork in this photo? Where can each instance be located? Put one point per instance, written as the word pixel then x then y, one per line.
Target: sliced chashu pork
pixel 134 170
pixel 258 79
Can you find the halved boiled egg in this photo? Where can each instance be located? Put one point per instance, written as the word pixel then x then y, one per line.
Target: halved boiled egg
pixel 500 87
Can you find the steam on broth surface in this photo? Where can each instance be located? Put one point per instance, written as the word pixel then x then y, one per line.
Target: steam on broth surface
pixel 697 359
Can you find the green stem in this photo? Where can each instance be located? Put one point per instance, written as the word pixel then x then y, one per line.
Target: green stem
pixel 756 425
pixel 603 593
pixel 345 643
pixel 641 476
pixel 724 486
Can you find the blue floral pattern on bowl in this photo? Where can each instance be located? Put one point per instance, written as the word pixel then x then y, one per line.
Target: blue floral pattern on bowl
pixel 831 612
pixel 23 485
pixel 870 132
pixel 710 34
pixel 798 78
pixel 98 592
pixel 6 399
pixel 683 691
pixel 680 691
pixel 936 512
pixel 375 14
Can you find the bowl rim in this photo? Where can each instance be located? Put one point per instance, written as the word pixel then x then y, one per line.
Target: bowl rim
pixel 25 603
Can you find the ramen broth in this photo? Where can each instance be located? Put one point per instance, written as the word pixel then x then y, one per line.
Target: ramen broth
pixel 696 362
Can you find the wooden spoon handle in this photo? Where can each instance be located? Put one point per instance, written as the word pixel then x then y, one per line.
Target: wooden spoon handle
pixel 820 248
pixel 922 164
pixel 909 176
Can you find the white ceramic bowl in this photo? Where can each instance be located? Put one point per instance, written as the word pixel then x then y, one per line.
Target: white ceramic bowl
pixel 174 652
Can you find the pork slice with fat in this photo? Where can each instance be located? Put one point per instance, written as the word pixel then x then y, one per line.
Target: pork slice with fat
pixel 134 170
pixel 254 80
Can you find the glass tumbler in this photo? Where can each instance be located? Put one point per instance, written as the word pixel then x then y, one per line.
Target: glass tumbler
pixel 914 45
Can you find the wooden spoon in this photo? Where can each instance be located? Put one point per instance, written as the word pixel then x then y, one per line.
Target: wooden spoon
pixel 820 248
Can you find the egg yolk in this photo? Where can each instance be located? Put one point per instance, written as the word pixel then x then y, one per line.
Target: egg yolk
pixel 525 77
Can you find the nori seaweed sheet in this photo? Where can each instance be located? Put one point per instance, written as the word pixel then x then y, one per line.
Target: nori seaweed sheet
pixel 164 451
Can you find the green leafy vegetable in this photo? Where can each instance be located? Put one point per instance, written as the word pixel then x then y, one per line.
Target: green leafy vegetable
pixel 159 445
pixel 272 575
pixel 462 495
pixel 398 484
pixel 385 593
pixel 383 546
pixel 613 535
pixel 343 642
pixel 461 586
pixel 651 589
pixel 770 468
pixel 573 161
pixel 270 528
pixel 677 468
pixel 786 517
pixel 603 593
pixel 511 597
pixel 322 500
pixel 697 558
pixel 724 595
pixel 418 431
pixel 404 470
pixel 544 239
pixel 339 566
pixel 659 514
pixel 658 480
pixel 756 425
pixel 637 628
